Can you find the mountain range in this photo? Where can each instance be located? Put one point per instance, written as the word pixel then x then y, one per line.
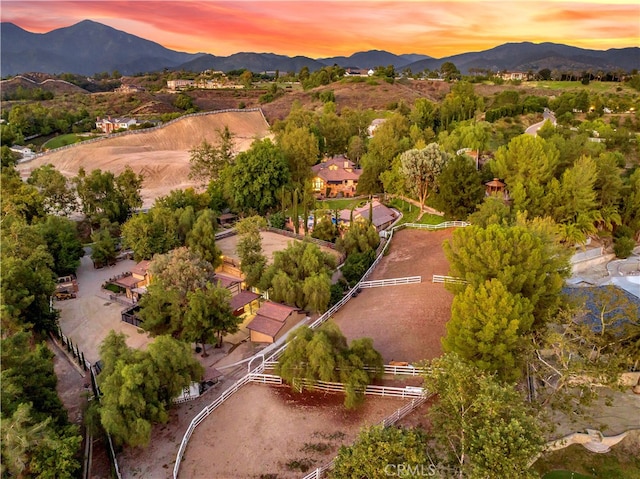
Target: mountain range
pixel 105 49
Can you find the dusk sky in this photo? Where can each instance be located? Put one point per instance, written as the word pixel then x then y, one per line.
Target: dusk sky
pixel 329 28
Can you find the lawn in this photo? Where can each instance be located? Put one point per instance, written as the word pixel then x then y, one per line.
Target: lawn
pixel 619 463
pixel 411 212
pixel 62 140
pixel 340 204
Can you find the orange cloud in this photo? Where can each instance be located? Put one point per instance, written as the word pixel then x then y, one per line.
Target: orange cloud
pixel 328 28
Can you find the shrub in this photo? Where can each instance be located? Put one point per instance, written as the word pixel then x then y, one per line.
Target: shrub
pixel 623 247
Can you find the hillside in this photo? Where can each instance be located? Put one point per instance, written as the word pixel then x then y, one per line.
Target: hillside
pixel 37 80
pixel 161 155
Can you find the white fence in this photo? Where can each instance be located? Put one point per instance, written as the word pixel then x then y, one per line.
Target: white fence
pixel 388 369
pixel 386 422
pixel 438 278
pixel 277 353
pixel 370 390
pixel 390 282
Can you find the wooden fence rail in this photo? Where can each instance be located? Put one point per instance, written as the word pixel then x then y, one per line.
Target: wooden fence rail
pixel 438 278
pixel 390 282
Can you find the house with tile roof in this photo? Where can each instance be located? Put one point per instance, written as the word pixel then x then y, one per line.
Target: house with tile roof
pixel 336 176
pixel 272 321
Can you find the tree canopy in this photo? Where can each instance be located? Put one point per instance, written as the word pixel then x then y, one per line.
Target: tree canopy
pixel 482 428
pixel 138 386
pixel 323 355
pixel 525 261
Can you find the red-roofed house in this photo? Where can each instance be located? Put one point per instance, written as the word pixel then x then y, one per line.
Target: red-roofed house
pixel 336 176
pixel 273 321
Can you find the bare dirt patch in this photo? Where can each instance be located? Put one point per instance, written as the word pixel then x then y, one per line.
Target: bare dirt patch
pixel 406 322
pixel 271 242
pixel 161 156
pixel 88 318
pixel 263 430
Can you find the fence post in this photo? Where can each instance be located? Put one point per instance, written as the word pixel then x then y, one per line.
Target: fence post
pixel 69 345
pixel 84 362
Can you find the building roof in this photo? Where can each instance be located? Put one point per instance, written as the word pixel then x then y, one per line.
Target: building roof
pixel 343 169
pixel 242 299
pixel 225 280
pixel 127 282
pixel 381 214
pixel 264 325
pixel 495 183
pixel 279 312
pixel 141 268
pixel 338 176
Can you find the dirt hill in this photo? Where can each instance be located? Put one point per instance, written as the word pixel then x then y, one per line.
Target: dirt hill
pixel 161 155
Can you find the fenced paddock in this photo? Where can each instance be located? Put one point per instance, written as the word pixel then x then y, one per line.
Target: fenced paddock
pixel 266 427
pixel 340 306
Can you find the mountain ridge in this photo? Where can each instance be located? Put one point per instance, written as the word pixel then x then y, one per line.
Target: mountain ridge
pixel 57 52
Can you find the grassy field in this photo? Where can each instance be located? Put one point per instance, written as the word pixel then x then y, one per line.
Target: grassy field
pixel 594 86
pixel 62 140
pixel 619 463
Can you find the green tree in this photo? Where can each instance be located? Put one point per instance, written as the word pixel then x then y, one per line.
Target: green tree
pixel 258 175
pixel 488 328
pixel 449 71
pixel 103 250
pixel 492 211
pixel 300 148
pixel 323 355
pixel 527 165
pixel 102 194
pixel 155 232
pixel 252 260
pixel 209 316
pixel 296 271
pixel 138 388
pixel 361 237
pixel 325 229
pixel 58 197
pixel 391 139
pixel 207 161
pixel 27 279
pixel 38 449
pixel 379 450
pixel 482 428
pixel 202 238
pixel 63 242
pixel 459 188
pixel 523 259
pixel 421 169
pixel 175 275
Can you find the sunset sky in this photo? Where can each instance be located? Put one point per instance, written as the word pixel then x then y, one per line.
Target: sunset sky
pixel 329 28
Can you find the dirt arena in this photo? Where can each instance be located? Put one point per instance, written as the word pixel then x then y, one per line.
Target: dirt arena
pixel 262 432
pixel 161 156
pixel 271 242
pixel 406 322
